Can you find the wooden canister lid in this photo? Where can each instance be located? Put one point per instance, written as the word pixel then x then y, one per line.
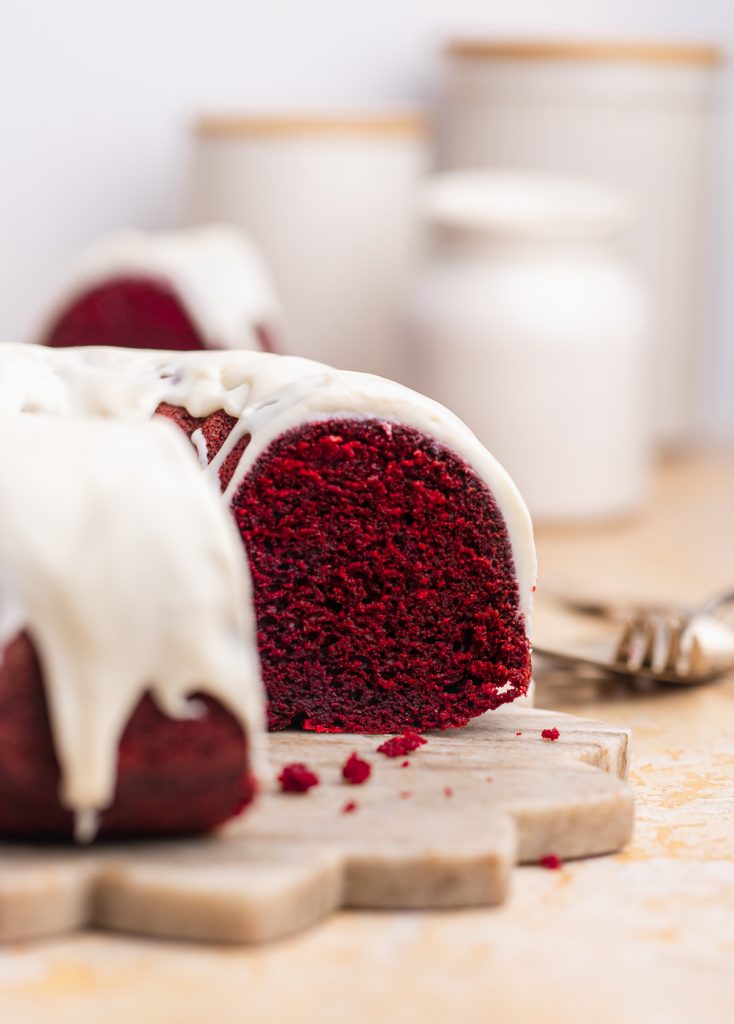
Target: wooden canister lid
pixel 586 50
pixel 377 123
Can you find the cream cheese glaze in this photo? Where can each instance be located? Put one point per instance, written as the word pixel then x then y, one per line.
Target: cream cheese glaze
pixel 267 394
pixel 118 559
pixel 216 272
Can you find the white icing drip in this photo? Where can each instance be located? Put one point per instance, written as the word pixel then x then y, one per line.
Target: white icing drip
pixel 118 559
pixel 217 273
pixel 86 824
pixel 202 449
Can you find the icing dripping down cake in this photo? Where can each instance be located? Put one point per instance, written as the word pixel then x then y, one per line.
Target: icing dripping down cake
pixel 392 558
pixel 130 691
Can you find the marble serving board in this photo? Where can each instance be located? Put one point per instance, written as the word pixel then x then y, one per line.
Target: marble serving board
pixel 443 831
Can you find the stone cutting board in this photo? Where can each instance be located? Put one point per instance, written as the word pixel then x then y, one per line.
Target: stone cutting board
pixel 444 831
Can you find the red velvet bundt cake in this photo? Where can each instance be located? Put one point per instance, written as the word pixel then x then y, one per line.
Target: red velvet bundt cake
pixel 123 591
pixel 392 558
pixel 196 289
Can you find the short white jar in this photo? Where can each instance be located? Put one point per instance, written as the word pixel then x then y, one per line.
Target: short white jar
pixel 529 323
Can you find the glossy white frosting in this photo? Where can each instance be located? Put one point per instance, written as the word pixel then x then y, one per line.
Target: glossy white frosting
pixel 118 559
pixel 216 272
pixel 267 394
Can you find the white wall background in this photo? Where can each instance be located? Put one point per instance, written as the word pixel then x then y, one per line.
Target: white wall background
pixel 96 97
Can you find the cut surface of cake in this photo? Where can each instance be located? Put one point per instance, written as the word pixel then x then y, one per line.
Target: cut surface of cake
pixel 130 694
pixel 392 558
pixel 195 289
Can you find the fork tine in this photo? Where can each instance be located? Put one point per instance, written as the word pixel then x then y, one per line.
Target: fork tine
pixel 625 643
pixel 654 643
pixel 659 643
pixel 635 644
pixel 696 662
pixel 648 647
pixel 676 627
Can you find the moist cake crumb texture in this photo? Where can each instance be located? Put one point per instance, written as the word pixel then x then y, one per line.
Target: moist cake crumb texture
pixel 384 584
pixel 383 578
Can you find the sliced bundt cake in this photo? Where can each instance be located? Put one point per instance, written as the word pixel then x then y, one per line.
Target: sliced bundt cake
pixel 392 558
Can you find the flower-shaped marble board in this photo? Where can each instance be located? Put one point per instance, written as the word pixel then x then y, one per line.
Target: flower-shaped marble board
pixel 445 830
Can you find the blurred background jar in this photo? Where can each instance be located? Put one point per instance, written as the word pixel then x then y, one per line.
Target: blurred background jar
pixel 330 199
pixel 636 116
pixel 528 321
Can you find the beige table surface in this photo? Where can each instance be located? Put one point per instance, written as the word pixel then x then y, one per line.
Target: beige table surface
pixel 644 936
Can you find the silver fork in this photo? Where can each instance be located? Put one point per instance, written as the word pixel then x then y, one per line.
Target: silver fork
pixel 667 644
pixel 655 644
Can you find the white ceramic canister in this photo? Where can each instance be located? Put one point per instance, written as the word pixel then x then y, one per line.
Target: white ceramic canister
pixel 634 116
pixel 528 321
pixel 331 202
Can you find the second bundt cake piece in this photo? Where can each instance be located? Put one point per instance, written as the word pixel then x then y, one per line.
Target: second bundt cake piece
pixel 192 289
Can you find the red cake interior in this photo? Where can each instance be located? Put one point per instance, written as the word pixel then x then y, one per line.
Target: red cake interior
pixel 129 312
pixel 174 777
pixel 135 312
pixel 384 582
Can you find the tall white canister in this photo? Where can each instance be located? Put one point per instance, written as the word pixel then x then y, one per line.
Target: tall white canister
pixel 527 320
pixel 330 199
pixel 636 116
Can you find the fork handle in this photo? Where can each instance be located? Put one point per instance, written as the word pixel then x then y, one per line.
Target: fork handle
pixel 620 610
pixel 716 603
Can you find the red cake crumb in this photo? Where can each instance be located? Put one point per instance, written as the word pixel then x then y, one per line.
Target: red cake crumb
pixel 174 776
pixel 518 733
pixel 297 778
pixel 396 746
pixel 551 861
pixel 405 764
pixel 356 771
pixel 405 794
pixel 448 791
pixel 550 734
pixel 349 807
